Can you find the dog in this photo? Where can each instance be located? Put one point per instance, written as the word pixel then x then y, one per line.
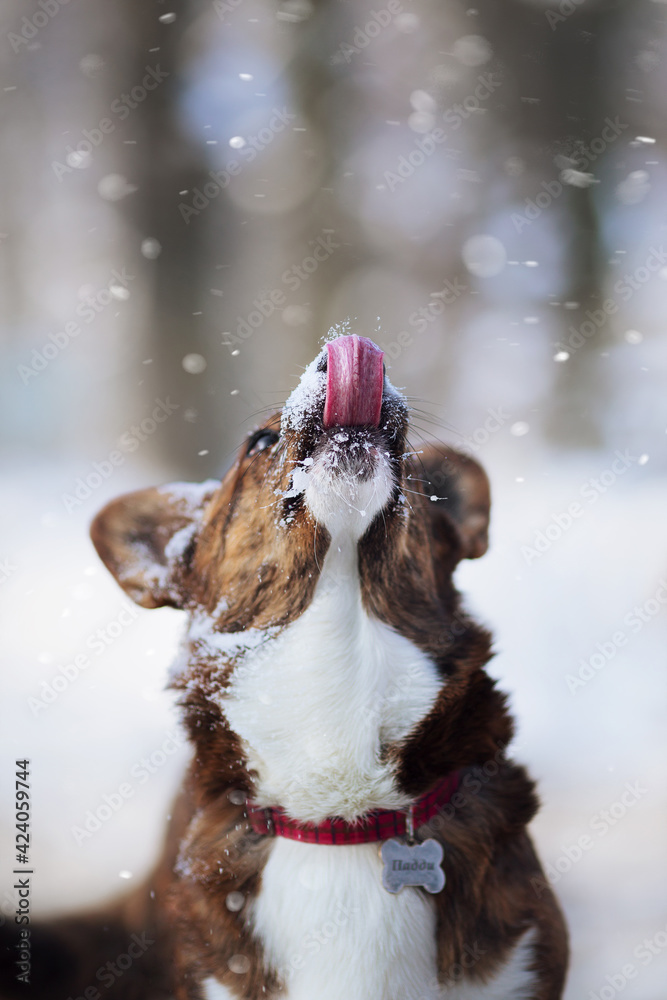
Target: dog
pixel 351 827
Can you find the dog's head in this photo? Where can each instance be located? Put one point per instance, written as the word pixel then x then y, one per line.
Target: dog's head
pixel 333 468
pixel 334 464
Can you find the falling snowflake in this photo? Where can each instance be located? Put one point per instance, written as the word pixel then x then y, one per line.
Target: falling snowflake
pixel 194 364
pixel 151 248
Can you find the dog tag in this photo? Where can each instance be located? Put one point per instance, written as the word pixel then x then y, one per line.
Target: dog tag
pixel 416 864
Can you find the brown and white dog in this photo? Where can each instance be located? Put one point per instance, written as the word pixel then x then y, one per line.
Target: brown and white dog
pixel 332 686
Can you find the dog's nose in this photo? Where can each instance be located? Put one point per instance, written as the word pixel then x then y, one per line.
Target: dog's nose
pixel 355 380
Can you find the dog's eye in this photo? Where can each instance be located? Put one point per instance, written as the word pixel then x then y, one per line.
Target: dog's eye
pixel 261 440
pixel 322 364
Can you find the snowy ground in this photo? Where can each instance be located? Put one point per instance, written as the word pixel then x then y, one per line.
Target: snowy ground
pixel 112 723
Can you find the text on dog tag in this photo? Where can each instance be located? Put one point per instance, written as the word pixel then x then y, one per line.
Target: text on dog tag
pixel 419 864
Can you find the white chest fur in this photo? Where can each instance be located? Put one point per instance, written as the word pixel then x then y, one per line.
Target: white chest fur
pixel 348 956
pixel 315 706
pixel 333 932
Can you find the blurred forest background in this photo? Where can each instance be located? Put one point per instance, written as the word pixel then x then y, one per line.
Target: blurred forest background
pixel 192 193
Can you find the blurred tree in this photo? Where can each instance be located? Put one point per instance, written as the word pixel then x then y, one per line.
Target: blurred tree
pixel 164 162
pixel 559 79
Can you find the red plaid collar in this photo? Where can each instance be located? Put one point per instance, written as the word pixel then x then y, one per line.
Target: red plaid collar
pixel 371 828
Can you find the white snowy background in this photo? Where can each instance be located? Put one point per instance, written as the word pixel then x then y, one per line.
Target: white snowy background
pixel 503 300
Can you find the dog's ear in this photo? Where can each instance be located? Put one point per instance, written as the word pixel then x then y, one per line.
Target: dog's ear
pixel 142 539
pixel 463 492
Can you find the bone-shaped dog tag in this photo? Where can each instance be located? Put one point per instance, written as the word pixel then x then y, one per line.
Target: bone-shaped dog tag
pixel 419 864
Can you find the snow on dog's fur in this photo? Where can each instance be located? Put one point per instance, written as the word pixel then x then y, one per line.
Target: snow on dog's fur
pixel 329 670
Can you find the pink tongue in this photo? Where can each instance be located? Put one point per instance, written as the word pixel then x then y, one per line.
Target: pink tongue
pixel 355 380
